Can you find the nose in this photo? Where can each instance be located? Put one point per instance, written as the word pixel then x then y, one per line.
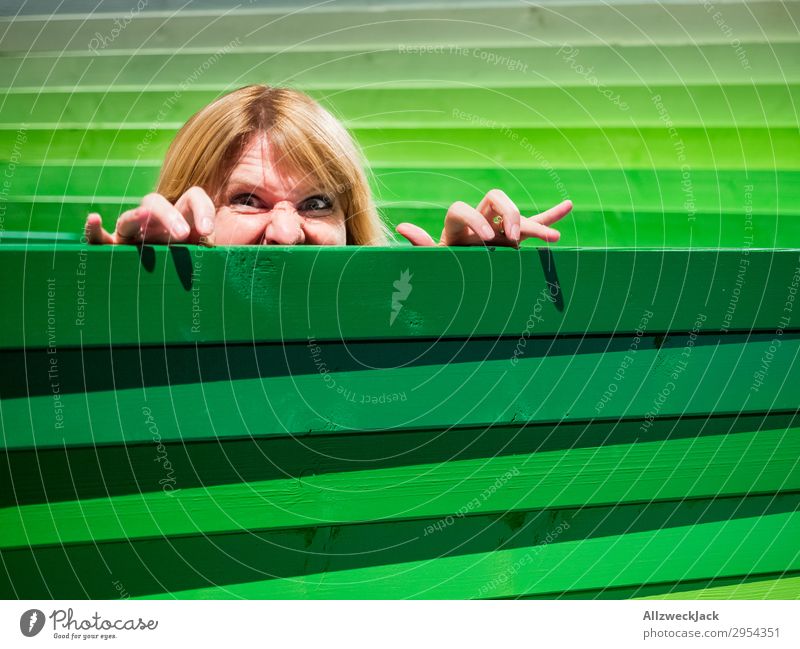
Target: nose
pixel 285 226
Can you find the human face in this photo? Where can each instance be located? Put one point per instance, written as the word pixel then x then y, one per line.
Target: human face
pixel 263 206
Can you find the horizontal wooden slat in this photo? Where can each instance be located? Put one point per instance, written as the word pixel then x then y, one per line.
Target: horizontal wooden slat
pixel 700 548
pixel 708 105
pixel 704 466
pixel 47 475
pixel 278 391
pixel 634 207
pixel 583 228
pixel 580 24
pixel 780 588
pixel 33 9
pixel 534 65
pixel 610 148
pixel 283 294
pixel 634 190
pixel 780 585
pixel 518 553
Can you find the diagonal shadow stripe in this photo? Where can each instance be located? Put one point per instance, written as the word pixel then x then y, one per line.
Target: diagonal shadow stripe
pixel 54 475
pixel 121 368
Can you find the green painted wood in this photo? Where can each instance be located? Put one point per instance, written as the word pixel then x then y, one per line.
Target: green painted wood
pixel 782 585
pixel 759 542
pixel 161 458
pixel 540 65
pixel 280 390
pixel 608 148
pixel 228 502
pixel 421 101
pixel 70 188
pixel 116 7
pixel 634 207
pixel 264 293
pixel 762 105
pixel 41 475
pixel 781 588
pixel 633 23
pixel 551 553
pixel 706 466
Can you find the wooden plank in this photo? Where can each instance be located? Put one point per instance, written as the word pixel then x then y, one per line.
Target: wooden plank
pixel 762 105
pixel 780 588
pixel 121 7
pixel 610 227
pixel 698 549
pixel 69 188
pixel 43 475
pixel 513 554
pixel 625 24
pixel 609 148
pixel 633 189
pixel 225 393
pixel 635 207
pixel 780 585
pixel 116 7
pixel 143 71
pixel 260 294
pixel 688 468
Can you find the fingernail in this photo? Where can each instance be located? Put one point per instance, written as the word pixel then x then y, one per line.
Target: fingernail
pixel 181 230
pixel 488 231
pixel 515 231
pixel 208 225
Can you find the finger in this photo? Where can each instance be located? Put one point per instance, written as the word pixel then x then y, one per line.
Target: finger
pixel 161 217
pixel 94 232
pixel 532 228
pixel 497 203
pixel 198 209
pixel 209 241
pixel 461 216
pixel 130 225
pixel 415 234
pixel 554 213
pixel 141 225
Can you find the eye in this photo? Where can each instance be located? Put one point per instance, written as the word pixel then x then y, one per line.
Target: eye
pixel 316 204
pixel 248 200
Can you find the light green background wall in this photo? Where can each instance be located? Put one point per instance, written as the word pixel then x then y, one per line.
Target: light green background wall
pixel 447 100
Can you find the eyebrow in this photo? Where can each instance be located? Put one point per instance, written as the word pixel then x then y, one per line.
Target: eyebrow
pixel 248 184
pixel 243 182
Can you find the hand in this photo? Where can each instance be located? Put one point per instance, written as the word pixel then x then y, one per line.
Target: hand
pixel 156 220
pixel 468 226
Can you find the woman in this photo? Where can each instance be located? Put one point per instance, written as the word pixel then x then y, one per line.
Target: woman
pixel 270 166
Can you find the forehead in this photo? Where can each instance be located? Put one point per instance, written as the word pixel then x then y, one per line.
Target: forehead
pixel 262 166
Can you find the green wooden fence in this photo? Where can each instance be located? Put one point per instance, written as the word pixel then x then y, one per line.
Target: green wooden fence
pixel 613 416
pixel 280 423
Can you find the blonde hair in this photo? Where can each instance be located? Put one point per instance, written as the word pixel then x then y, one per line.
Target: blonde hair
pixel 309 141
